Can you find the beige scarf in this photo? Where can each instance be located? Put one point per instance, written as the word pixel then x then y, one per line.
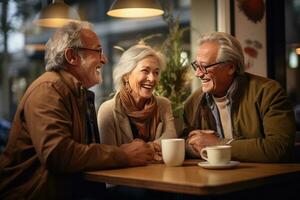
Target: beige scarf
pixel 145 120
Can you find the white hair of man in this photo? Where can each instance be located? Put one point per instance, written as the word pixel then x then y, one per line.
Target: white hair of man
pixel 66 37
pixel 230 48
pixel 129 60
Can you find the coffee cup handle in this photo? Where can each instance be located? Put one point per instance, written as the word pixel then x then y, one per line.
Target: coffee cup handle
pixel 203 154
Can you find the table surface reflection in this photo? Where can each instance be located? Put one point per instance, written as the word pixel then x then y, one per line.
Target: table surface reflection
pixel 192 179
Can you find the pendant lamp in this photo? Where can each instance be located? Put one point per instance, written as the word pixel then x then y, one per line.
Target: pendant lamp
pixel 56 15
pixel 135 9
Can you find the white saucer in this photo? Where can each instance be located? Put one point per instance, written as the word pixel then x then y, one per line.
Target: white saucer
pixel 206 165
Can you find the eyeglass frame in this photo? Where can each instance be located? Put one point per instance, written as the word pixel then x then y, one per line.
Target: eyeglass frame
pixel 100 50
pixel 203 69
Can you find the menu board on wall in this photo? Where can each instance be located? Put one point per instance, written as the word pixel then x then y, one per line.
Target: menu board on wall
pixel 249 26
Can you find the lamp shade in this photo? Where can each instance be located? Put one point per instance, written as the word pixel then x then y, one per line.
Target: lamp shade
pixel 135 9
pixel 56 15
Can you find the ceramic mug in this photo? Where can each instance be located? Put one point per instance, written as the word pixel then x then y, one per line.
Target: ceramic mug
pixel 173 151
pixel 216 155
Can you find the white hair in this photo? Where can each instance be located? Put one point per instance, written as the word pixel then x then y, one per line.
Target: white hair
pixel 67 36
pixel 129 60
pixel 230 48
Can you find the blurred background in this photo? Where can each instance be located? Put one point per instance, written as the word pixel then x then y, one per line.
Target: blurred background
pixel 22 42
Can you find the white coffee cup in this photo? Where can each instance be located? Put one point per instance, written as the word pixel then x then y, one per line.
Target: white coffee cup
pixel 173 151
pixel 216 155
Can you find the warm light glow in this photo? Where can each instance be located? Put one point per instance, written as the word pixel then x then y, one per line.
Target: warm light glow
pixel 35 47
pixel 298 51
pixel 135 12
pixel 53 22
pixel 135 8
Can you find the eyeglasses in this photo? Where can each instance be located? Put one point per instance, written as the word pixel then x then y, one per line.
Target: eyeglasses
pixel 100 51
pixel 202 68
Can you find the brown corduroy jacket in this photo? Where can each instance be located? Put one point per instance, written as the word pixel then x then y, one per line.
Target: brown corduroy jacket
pixel 46 147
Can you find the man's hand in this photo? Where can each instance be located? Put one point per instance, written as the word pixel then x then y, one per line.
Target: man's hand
pixel 138 153
pixel 199 139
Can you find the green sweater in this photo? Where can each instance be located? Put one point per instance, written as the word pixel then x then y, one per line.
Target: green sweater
pixel 262 120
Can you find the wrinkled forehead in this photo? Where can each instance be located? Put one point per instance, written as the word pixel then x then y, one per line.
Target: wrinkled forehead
pixel 207 52
pixel 89 38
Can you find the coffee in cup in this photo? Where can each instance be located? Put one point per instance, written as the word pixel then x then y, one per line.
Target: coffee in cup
pixel 173 151
pixel 216 155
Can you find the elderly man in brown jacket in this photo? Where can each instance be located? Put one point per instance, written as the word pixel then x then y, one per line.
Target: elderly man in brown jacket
pixel 249 112
pixel 54 134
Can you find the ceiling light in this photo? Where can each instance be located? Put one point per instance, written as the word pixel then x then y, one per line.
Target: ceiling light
pixel 56 15
pixel 135 9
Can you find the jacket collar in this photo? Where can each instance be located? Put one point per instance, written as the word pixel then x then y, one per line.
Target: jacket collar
pixel 75 85
pixel 234 92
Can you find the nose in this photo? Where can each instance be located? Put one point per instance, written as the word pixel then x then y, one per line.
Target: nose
pixel 151 77
pixel 103 58
pixel 199 73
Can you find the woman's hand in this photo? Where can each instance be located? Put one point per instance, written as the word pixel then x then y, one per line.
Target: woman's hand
pixel 156 147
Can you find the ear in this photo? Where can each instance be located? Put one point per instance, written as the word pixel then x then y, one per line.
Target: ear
pixel 232 68
pixel 71 56
pixel 126 77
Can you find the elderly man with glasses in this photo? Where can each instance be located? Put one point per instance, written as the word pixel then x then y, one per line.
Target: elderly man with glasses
pixel 54 135
pixel 249 112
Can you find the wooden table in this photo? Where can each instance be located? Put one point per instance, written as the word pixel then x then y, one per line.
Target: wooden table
pixel 192 179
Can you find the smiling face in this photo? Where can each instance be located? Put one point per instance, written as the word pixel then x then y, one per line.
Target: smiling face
pixel 219 77
pixel 89 71
pixel 143 79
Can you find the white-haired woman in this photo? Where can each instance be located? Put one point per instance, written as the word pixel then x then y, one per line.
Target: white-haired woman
pixel 134 112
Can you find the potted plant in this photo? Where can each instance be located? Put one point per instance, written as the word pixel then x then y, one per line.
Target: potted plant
pixel 175 79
